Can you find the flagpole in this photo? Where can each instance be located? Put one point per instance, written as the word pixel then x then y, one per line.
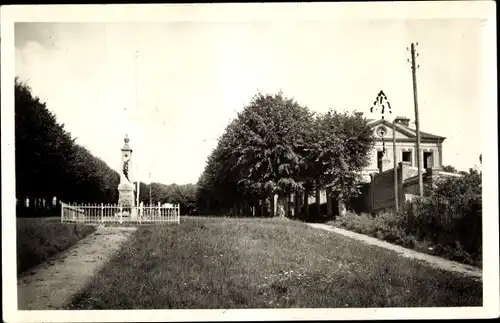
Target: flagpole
pixel 136 106
pixel 138 186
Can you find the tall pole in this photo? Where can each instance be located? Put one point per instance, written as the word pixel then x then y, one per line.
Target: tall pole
pixel 417 124
pixel 136 105
pixel 150 199
pixel 396 201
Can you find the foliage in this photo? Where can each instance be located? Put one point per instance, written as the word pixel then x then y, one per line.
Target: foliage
pixel 277 146
pixel 259 154
pixel 452 213
pixel 48 161
pixel 447 223
pixel 185 195
pixel 338 149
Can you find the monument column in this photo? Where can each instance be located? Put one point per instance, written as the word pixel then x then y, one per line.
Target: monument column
pixel 126 188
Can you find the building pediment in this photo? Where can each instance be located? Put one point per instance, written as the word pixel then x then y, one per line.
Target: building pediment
pixel 383 130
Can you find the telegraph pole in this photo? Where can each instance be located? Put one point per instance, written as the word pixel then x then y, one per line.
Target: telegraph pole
pixel 396 200
pixel 417 124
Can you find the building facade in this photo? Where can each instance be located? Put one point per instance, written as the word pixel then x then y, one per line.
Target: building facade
pixel 378 177
pixel 381 159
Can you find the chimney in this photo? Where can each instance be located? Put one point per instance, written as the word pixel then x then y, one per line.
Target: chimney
pixel 404 121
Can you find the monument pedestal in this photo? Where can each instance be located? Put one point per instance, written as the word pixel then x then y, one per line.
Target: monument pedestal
pixel 126 198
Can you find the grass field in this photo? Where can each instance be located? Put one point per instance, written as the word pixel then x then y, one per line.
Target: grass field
pixel 264 263
pixel 40 238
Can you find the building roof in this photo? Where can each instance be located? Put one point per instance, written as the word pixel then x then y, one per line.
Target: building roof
pixel 404 129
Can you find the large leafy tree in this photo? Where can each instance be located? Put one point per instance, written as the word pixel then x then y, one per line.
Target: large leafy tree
pixel 260 154
pixel 338 149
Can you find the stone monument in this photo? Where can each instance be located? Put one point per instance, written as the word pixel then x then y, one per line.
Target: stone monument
pixel 126 188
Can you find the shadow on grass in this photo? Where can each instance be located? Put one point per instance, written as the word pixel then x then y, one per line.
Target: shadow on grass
pixel 38 239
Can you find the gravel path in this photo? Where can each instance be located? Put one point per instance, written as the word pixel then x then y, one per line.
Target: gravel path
pixel 433 261
pixel 50 285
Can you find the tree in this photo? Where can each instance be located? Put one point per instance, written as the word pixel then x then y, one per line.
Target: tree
pixel 259 155
pixel 49 163
pixel 338 149
pixel 42 146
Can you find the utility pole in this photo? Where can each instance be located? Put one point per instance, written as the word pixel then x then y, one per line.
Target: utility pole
pixel 396 200
pixel 417 124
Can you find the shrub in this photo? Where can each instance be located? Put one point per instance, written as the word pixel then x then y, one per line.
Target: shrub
pixel 448 219
pixel 450 216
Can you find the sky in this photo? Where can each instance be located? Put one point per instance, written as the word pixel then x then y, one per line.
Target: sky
pixel 175 86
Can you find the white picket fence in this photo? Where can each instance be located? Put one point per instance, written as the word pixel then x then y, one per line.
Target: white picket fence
pixel 106 213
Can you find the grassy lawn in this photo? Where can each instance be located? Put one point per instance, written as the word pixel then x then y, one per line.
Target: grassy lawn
pixel 258 263
pixel 40 238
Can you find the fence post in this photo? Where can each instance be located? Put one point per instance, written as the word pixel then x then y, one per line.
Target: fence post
pixel 121 214
pixel 62 211
pixel 102 212
pixel 178 213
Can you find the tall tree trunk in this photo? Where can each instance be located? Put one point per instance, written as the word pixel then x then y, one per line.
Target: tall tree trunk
pixel 318 202
pixel 306 202
pixel 329 212
pixel 342 209
pixel 281 205
pixel 287 205
pixel 297 197
pixel 271 211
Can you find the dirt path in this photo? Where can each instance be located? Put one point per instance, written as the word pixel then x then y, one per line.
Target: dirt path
pixel 50 285
pixel 433 261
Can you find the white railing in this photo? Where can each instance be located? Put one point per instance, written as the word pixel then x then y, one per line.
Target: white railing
pixel 107 213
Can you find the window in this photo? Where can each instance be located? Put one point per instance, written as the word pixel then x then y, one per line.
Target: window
pixel 427 160
pixel 407 156
pixel 380 155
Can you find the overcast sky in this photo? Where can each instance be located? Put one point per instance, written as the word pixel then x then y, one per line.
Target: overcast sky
pixel 192 77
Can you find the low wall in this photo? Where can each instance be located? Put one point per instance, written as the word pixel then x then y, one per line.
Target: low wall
pixel 383 190
pixel 379 194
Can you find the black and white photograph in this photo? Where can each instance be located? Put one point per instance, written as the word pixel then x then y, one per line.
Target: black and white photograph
pixel 285 161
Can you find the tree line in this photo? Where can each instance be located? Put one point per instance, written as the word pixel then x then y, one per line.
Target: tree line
pixel 49 163
pixel 275 146
pixel 184 195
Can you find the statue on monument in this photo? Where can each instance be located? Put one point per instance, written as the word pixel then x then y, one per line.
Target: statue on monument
pixel 126 166
pixel 126 188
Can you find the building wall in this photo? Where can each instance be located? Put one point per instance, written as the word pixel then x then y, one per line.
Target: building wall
pixel 382 186
pixel 435 148
pixel 383 190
